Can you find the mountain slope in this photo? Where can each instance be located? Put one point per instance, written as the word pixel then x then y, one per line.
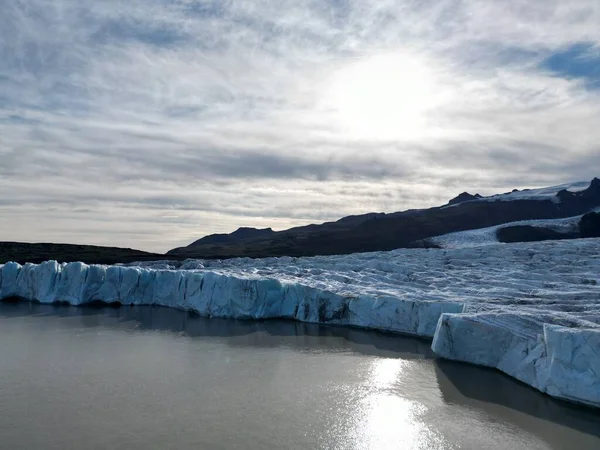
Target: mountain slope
pixel 490 235
pixel 238 235
pixel 379 231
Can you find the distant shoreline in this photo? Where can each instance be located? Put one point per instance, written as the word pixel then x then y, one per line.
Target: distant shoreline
pixel 22 253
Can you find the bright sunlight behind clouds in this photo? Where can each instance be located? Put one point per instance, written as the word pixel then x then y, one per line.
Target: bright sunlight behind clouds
pixel 150 123
pixel 385 96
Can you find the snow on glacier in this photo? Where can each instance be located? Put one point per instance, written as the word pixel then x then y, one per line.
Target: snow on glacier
pixel 545 193
pixel 531 310
pixel 489 235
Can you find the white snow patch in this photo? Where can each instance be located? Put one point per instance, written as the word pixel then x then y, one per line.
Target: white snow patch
pixel 546 193
pixel 488 236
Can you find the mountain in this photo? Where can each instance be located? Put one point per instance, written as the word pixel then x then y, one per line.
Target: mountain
pixel 380 231
pixel 238 235
pixel 373 231
pixel 464 197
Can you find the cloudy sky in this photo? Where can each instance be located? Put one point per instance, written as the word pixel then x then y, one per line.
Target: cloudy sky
pixel 148 124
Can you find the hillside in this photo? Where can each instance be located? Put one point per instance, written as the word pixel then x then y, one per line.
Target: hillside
pixel 362 233
pixel 586 226
pixel 379 231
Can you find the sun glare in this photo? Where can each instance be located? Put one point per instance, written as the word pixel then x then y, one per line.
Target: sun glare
pixel 383 96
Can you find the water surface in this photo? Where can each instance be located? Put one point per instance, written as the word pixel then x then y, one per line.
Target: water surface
pixel 157 378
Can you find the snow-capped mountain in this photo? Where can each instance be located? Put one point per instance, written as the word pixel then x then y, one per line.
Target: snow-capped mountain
pixel 379 231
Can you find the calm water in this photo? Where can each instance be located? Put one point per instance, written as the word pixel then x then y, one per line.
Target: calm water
pixel 153 378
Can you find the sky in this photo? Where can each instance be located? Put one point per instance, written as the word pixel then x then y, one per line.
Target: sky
pixel 148 124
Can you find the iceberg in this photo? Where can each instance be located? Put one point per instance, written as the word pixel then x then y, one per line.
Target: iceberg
pixel 529 310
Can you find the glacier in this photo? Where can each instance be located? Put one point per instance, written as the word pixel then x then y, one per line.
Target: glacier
pixel 530 310
pixel 489 235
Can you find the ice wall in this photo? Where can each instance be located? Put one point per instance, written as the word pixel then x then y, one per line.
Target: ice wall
pixel 533 313
pixel 217 295
pixel 560 359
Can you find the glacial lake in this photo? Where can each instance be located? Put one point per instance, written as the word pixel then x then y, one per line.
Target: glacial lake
pixel 157 378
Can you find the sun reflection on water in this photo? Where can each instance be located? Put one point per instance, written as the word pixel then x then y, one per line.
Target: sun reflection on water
pixel 387 420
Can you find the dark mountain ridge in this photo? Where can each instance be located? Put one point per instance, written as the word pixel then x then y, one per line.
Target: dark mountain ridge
pixel 380 231
pixel 358 233
pixel 464 197
pixel 238 235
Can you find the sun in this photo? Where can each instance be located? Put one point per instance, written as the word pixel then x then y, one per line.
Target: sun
pixel 385 96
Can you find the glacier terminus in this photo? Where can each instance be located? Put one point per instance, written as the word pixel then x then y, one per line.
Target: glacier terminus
pixel 529 310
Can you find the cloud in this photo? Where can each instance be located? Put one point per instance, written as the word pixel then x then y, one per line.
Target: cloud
pixel 150 123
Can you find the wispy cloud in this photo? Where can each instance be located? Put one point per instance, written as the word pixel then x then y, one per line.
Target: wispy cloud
pixel 149 123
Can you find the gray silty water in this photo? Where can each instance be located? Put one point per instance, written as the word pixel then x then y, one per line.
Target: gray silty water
pixel 155 378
